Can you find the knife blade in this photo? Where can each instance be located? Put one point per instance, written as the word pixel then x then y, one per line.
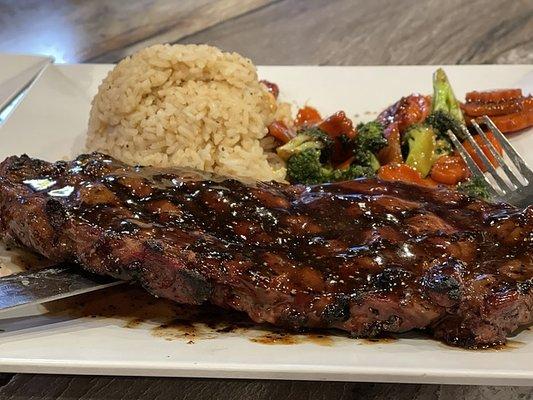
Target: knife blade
pixel 48 284
pixel 12 88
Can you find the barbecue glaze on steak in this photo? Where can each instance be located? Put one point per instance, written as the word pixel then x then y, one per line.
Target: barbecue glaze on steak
pixel 364 256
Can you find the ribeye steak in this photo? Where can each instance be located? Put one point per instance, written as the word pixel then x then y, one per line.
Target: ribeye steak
pixel 364 256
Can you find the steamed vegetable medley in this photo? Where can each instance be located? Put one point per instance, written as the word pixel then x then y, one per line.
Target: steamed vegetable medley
pixel 408 141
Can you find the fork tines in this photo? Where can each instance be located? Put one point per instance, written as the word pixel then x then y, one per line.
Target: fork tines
pixel 513 182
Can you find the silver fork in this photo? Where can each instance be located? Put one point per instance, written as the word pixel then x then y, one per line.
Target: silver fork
pixel 515 187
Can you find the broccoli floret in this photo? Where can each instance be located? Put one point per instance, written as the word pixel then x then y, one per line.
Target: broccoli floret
pixel 369 140
pixel 421 144
pixel 370 137
pixel 443 97
pixel 305 167
pixel 446 113
pixel 354 171
pixel 442 122
pixel 310 138
pixel 368 160
pixel 308 155
pixel 475 187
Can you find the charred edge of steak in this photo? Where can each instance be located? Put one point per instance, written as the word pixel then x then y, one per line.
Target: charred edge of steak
pixel 474 334
pixel 337 311
pixel 443 282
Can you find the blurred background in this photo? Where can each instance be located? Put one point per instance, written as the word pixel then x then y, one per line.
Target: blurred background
pixel 334 32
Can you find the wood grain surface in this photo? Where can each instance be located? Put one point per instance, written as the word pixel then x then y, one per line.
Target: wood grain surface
pixel 388 32
pixel 127 388
pixel 80 31
pixel 332 32
pixel 323 32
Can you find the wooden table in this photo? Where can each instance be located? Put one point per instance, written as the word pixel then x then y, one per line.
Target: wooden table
pixel 324 32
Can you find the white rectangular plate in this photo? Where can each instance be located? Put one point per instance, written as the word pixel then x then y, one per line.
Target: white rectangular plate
pixel 51 124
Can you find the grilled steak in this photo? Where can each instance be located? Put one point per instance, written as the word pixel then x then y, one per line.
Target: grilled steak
pixel 364 256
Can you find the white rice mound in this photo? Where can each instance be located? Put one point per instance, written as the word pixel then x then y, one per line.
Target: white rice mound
pixel 187 105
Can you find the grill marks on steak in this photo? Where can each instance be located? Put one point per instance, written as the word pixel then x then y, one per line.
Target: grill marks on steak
pixel 364 256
